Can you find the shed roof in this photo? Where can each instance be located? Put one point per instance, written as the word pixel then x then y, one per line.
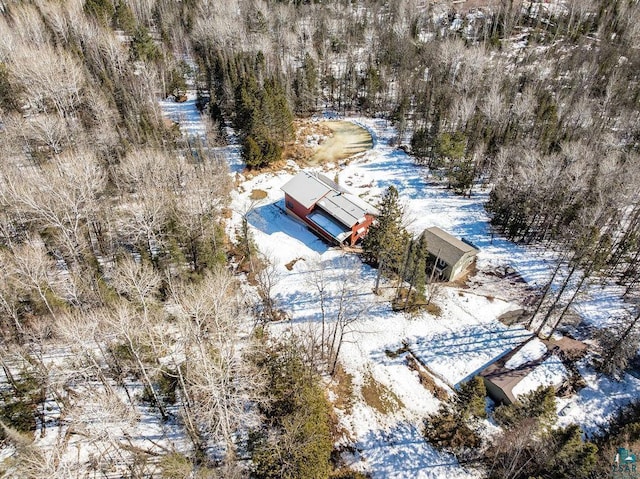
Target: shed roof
pixel 507 378
pixel 445 246
pixel 538 366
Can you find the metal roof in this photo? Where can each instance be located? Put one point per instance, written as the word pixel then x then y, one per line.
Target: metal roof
pixel 309 189
pixel 306 188
pixel 329 224
pixel 446 247
pixel 342 208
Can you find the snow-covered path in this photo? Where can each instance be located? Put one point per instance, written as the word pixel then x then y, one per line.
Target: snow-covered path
pixel 186 115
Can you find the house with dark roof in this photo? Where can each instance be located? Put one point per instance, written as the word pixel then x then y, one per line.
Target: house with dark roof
pixel 328 209
pixel 451 256
pixel 529 365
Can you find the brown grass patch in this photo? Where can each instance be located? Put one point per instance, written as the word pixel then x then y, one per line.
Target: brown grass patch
pixel 258 194
pixel 337 140
pixel 433 309
pixel 226 213
pixel 298 150
pixel 347 139
pixel 380 397
pixel 426 379
pixel 292 263
pixel 274 167
pixel 343 389
pixel 415 305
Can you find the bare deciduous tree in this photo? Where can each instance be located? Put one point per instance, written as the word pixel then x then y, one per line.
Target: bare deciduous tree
pixel 218 384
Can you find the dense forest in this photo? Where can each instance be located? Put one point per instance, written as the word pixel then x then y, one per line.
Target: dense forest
pixel 122 292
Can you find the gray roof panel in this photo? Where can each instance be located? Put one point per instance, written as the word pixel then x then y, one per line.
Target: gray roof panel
pixel 342 208
pixel 306 188
pixel 329 224
pixel 445 246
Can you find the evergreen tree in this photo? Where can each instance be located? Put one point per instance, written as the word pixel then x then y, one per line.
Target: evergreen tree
pixel 571 457
pixel 420 144
pixel 101 10
pixel 539 405
pixel 470 400
pixel 123 18
pixel 386 238
pixel 452 428
pixel 386 241
pixel 142 46
pixel 414 270
pixel 305 86
pixel 451 146
pixel 298 444
pixel 251 152
pixel 420 275
pixel 264 120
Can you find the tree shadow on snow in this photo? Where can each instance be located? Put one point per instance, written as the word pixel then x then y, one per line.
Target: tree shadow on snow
pixel 402 452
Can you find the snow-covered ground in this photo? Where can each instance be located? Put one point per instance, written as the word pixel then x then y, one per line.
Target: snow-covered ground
pixel 454 345
pixel 185 114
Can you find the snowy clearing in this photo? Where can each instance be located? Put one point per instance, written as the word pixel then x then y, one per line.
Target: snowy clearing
pixel 462 340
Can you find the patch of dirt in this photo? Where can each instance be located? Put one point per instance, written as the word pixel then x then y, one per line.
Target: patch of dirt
pixel 292 263
pixel 321 142
pixel 258 194
pixel 380 397
pixel 343 389
pixel 347 139
pixel 512 317
pixel 427 380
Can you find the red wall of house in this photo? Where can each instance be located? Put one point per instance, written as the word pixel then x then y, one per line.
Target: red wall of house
pixel 355 236
pixel 301 212
pixel 296 207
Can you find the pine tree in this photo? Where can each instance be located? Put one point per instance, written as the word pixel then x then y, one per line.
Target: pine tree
pixel 299 442
pixel 264 120
pixel 420 275
pixel 539 405
pixel 142 46
pixel 386 241
pixel 452 428
pixel 471 397
pixel 101 10
pixel 386 237
pixel 572 457
pixel 123 18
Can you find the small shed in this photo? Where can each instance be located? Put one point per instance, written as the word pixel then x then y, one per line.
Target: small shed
pixel 529 365
pixel 328 209
pixel 451 256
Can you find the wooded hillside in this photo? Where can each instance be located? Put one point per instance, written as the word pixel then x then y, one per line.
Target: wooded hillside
pixel 122 293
